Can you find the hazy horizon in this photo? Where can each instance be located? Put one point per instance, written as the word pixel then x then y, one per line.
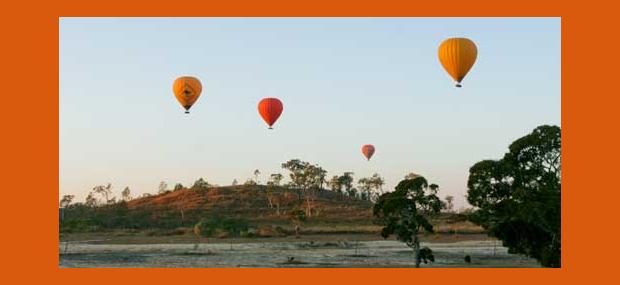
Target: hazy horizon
pixel 344 82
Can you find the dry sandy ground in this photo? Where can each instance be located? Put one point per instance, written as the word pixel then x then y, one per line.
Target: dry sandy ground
pixel 315 251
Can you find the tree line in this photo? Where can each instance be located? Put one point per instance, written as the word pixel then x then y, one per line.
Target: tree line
pixel 517 198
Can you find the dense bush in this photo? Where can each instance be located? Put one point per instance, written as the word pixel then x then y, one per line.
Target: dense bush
pixel 219 227
pixel 518 197
pixel 80 218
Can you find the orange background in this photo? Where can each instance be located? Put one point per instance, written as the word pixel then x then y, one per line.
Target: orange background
pixel 30 141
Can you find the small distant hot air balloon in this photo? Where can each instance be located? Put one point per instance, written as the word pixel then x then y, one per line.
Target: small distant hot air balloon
pixel 368 150
pixel 270 109
pixel 457 55
pixel 187 89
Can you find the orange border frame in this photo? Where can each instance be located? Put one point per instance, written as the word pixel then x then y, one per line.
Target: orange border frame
pixel 30 140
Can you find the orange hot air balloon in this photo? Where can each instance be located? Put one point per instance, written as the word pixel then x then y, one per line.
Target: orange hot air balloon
pixel 270 109
pixel 368 150
pixel 187 89
pixel 457 55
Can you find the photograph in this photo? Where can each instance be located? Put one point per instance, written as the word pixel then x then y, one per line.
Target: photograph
pixel 309 142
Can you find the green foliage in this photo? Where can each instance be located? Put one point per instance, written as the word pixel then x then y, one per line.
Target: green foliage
pixel 407 211
pixel 126 194
pixel 343 184
pixel 178 187
pixel 233 227
pixel 518 197
pixel 75 225
pixel 346 180
pixel 201 185
pixel 81 217
pixel 249 182
pixel 275 179
pixel 105 191
pixel 305 175
pixel 370 187
pixel 91 200
pixel 298 216
pixel 66 200
pixel 412 175
pixel 335 184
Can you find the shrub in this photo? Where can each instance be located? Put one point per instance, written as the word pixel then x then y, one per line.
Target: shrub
pixel 226 227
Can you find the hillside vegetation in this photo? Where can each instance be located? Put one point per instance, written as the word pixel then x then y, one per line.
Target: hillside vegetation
pixel 244 210
pixel 251 202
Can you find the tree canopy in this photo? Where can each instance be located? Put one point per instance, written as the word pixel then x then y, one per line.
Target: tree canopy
pixel 518 196
pixel 406 212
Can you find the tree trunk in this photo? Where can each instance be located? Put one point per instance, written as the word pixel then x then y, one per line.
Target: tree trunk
pixel 308 207
pixel 416 250
pixel 269 200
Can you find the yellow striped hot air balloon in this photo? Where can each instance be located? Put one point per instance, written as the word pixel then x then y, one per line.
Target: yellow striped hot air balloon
pixel 457 55
pixel 187 89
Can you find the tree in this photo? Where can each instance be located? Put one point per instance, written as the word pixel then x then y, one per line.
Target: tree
pixel 449 203
pixel 335 184
pixel 434 188
pixel 275 179
pixel 377 182
pixel 298 175
pixel 182 198
pixel 365 188
pixel 235 182
pixel 91 200
pixel 518 197
pixel 178 187
pixel 66 200
pixel 256 174
pixel 406 212
pixel 105 191
pixel 272 199
pixel 297 218
pixel 412 175
pixel 201 184
pixel 370 186
pixel 163 187
pixel 306 178
pixel 317 174
pixel 346 180
pixel 126 194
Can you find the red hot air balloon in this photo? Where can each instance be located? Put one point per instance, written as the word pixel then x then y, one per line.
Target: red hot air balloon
pixel 368 150
pixel 270 109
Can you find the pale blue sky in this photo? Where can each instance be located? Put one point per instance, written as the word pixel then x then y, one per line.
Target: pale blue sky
pixel 344 82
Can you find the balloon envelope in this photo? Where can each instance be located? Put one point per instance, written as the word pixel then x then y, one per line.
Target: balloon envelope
pixel 270 110
pixel 187 89
pixel 368 150
pixel 457 56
